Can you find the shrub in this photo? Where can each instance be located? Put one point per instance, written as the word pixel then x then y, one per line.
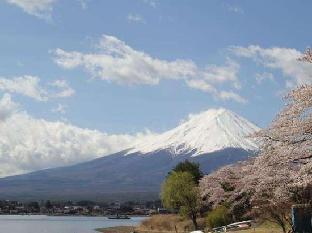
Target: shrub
pixel 218 217
pixel 169 222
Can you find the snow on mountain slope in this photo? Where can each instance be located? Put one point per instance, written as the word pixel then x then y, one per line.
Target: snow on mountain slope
pixel 206 132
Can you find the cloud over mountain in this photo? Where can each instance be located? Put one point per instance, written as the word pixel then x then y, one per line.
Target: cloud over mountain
pixel 115 61
pixel 28 144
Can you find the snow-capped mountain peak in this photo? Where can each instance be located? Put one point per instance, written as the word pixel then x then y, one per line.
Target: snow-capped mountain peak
pixel 206 132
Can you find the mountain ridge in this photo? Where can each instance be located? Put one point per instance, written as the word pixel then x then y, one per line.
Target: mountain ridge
pixel 110 175
pixel 140 170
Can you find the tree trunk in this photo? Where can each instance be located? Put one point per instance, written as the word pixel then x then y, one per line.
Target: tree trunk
pixel 194 221
pixel 283 226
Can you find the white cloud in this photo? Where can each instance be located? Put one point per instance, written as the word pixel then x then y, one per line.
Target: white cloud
pixel 63 89
pixel 38 8
pixel 201 85
pixel 152 3
pixel 135 18
pixel 223 95
pixel 83 4
pixel 24 85
pixel 60 108
pixel 235 9
pixel 229 95
pixel 117 62
pixel 260 77
pixel 7 107
pixel 284 59
pixel 30 86
pixel 223 74
pixel 28 144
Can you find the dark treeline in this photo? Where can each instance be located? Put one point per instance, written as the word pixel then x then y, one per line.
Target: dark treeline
pixel 83 207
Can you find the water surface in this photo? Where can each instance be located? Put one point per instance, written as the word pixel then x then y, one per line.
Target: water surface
pixel 57 224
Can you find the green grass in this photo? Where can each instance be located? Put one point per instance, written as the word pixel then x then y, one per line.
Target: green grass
pixel 263 228
pixel 165 223
pixel 120 229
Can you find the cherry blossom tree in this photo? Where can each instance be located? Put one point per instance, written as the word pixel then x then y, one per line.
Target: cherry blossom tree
pixel 225 187
pixel 281 175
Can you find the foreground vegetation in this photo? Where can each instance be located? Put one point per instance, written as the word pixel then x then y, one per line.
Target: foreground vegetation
pixel 263 228
pixel 119 229
pixel 168 223
pixel 263 188
pixel 174 223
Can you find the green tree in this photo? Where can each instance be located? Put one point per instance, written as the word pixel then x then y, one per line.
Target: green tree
pixel 179 191
pixel 218 217
pixel 191 167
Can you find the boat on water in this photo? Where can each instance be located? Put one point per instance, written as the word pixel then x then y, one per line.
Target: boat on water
pixel 119 217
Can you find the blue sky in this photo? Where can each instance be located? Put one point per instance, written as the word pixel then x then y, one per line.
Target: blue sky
pixel 124 66
pixel 200 31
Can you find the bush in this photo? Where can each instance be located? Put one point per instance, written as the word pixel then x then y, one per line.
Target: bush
pixel 169 222
pixel 218 217
pixel 161 223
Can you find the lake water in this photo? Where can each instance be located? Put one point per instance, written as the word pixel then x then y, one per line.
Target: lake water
pixel 56 224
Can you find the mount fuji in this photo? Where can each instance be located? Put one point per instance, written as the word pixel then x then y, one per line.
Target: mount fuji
pixel 213 138
pixel 209 131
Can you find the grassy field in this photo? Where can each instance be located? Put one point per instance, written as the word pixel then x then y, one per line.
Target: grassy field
pixel 121 229
pixel 156 224
pixel 263 228
pixel 168 223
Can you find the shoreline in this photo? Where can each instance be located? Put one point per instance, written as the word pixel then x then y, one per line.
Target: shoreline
pixel 70 215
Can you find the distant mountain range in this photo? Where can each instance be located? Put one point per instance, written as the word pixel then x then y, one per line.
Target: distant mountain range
pixel 213 138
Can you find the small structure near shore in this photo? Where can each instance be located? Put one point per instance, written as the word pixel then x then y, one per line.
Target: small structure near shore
pixel 302 218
